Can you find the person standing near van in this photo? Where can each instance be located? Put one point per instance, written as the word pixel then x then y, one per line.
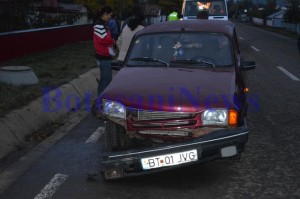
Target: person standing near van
pixel 134 11
pixel 174 16
pixel 114 27
pixel 103 43
pixel 124 40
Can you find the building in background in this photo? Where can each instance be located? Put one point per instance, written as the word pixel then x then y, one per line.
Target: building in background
pixel 52 13
pixel 276 19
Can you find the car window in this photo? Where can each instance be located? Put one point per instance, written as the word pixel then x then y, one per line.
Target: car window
pixel 170 48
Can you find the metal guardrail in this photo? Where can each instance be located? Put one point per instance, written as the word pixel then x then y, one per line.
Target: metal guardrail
pixel 258 21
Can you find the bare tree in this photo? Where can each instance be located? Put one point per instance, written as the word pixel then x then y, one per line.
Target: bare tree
pixel 13 15
pixel 293 13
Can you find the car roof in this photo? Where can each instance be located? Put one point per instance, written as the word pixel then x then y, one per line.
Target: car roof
pixel 197 25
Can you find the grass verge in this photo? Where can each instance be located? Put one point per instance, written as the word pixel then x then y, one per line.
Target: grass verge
pixel 53 68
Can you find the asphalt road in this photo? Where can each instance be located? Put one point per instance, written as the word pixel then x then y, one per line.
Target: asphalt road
pixel 269 167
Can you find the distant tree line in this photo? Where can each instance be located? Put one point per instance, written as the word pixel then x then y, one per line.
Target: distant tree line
pixel 123 7
pixel 15 14
pixel 293 13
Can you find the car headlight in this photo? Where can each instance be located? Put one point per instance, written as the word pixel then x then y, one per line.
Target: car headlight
pixel 215 117
pixel 114 109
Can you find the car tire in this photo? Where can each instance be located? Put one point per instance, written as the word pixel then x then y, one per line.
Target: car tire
pixel 115 137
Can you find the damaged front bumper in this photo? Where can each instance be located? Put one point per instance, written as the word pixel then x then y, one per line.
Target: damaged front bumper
pixel 218 144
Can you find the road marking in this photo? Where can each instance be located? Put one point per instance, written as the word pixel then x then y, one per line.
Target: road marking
pixel 290 75
pixel 241 38
pixel 49 190
pixel 253 47
pixel 13 172
pixel 96 135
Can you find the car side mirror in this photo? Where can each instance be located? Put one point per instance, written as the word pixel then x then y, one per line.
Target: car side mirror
pixel 116 65
pixel 248 65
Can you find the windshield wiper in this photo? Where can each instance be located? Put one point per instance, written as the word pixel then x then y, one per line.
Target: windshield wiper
pixel 149 59
pixel 194 61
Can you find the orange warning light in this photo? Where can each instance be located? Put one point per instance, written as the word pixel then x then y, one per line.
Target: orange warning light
pixel 233 117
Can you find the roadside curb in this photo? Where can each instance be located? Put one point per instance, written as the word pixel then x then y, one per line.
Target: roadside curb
pixel 49 108
pixel 8 140
pixel 10 174
pixel 84 85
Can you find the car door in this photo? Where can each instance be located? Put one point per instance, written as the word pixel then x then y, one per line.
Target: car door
pixel 240 96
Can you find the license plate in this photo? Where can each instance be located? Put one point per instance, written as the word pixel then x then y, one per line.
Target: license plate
pixel 169 159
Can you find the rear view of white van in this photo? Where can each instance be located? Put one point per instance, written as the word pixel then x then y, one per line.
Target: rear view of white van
pixel 217 9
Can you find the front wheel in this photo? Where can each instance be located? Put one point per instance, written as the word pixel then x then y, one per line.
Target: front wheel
pixel 115 136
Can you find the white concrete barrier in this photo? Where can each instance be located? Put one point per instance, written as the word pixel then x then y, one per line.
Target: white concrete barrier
pixel 96 72
pixel 258 21
pixel 269 23
pixel 61 101
pixel 34 113
pixel 17 125
pixel 86 86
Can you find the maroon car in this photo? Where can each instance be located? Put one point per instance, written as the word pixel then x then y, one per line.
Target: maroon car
pixel 178 99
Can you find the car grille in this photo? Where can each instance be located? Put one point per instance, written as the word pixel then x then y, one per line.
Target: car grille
pixel 163 124
pixel 143 119
pixel 145 115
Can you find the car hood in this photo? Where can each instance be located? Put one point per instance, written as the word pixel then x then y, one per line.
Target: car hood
pixel 172 89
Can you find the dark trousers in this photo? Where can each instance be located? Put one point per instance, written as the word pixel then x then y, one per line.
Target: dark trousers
pixel 105 74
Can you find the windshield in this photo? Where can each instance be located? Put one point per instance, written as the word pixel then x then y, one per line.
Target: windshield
pixel 214 7
pixel 181 49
